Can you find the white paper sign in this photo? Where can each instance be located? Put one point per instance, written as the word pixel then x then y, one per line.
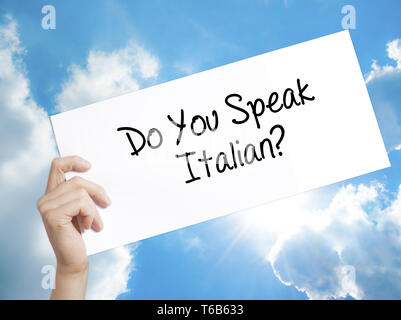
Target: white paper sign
pixel 226 139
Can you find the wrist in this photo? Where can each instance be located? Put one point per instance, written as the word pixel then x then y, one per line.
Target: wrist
pixel 73 270
pixel 70 283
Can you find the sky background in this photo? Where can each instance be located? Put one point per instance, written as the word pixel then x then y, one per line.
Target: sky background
pixel 342 241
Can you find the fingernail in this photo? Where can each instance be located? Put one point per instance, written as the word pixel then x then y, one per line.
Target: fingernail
pixel 98 226
pixel 86 163
pixel 108 200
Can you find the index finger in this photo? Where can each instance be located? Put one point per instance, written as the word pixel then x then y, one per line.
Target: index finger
pixel 60 166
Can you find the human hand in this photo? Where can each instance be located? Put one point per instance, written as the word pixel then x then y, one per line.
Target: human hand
pixel 60 207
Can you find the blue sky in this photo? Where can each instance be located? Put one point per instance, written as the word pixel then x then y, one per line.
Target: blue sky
pixel 230 257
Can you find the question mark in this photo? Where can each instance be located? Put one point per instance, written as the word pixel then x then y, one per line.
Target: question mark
pixel 281 136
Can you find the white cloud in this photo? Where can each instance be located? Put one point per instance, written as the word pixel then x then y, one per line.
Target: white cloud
pixel 109 273
pixel 27 142
pixel 184 67
pixel 384 85
pixel 351 248
pixel 27 148
pixel 107 75
pixel 394 53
